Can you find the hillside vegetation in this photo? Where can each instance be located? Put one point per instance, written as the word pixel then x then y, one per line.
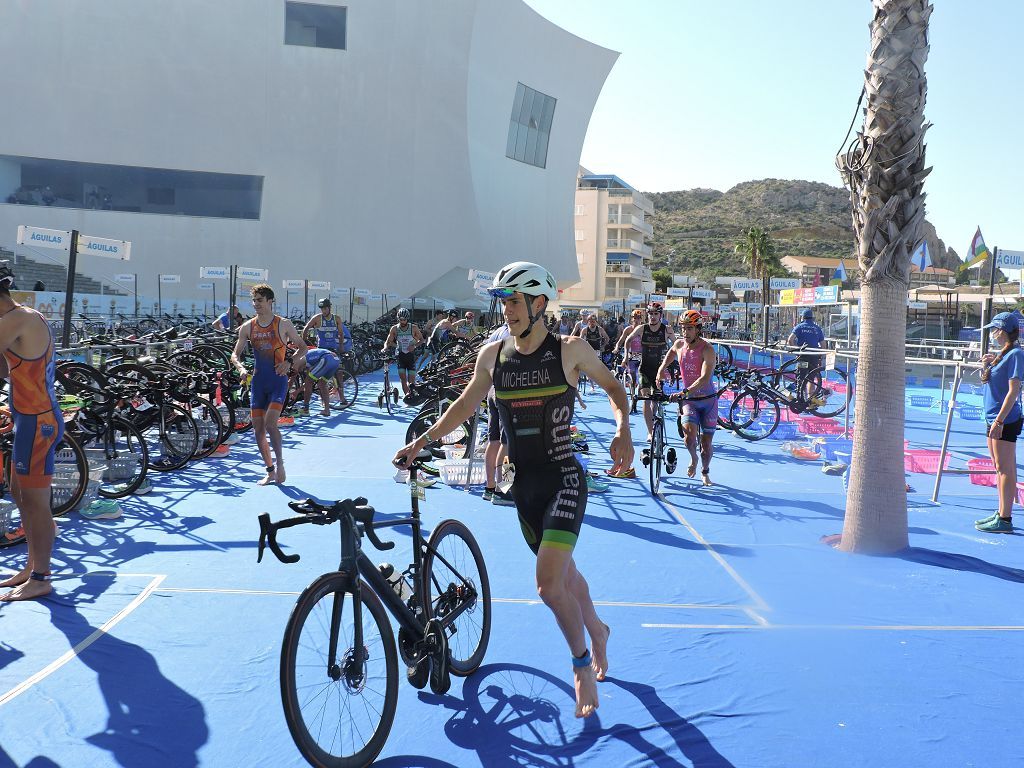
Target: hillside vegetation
pixel 696 230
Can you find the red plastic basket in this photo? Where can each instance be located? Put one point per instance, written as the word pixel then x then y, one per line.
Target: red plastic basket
pixel 923 460
pixel 982 464
pixel 818 426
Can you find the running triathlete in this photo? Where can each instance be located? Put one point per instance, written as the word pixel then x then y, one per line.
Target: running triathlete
pixel 331 334
pixel 631 352
pixel 269 335
pixel 697 361
pixel 534 374
pixel 655 338
pixel 26 342
pixel 594 334
pixel 407 337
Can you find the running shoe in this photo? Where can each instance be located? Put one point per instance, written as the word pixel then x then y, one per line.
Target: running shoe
pixel 286 421
pixel 670 460
pixel 596 486
pixel 488 493
pixel 430 469
pixel 144 488
pixel 502 499
pixel 304 411
pixel 231 439
pixel 999 525
pixel 101 509
pixel 988 519
pixel 629 474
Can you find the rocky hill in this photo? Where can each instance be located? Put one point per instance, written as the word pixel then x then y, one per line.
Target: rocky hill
pixel 696 230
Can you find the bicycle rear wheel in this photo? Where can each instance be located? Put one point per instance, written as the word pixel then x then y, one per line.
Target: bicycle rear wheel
pixel 454 575
pixel 123 450
pixel 178 443
pixel 753 417
pixel 70 476
pixel 340 713
pixel 828 390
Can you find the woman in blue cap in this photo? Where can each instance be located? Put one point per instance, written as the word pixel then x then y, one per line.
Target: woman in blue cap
pixel 1002 374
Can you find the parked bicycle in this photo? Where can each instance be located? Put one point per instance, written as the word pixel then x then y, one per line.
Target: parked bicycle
pixel 339 668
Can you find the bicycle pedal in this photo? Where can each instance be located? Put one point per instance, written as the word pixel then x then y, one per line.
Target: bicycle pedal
pixel 440 660
pixel 418 674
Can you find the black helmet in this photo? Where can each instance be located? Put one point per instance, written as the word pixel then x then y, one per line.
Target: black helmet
pixel 453 313
pixel 6 275
pixel 324 303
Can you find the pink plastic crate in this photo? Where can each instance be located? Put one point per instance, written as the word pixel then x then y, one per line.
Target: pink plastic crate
pixel 1020 493
pixel 818 426
pixel 923 460
pixel 979 463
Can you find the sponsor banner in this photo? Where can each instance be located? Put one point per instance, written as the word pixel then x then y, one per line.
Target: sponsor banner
pixel 675 305
pixel 126 278
pixel 703 293
pixel 37 237
pixel 1010 259
pixel 784 283
pixel 826 294
pixel 204 286
pixel 213 273
pixel 292 285
pixel 823 294
pixel 101 246
pixel 319 285
pixel 259 274
pixel 165 279
pixel 479 274
pixel 746 284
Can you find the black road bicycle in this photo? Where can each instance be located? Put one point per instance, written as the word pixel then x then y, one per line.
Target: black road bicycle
pixel 339 666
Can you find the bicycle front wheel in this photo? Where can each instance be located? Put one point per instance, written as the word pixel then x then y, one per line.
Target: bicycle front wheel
pixel 828 396
pixel 752 417
pixel 455 578
pixel 339 710
pixel 173 446
pixel 657 451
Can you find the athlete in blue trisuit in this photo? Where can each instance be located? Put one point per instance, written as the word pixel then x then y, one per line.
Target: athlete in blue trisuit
pixel 231 319
pixel 269 335
pixel 321 366
pixel 534 374
pixel 407 337
pixel 332 335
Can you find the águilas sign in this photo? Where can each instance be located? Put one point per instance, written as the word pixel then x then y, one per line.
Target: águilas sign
pixel 101 246
pixel 253 273
pixel 36 237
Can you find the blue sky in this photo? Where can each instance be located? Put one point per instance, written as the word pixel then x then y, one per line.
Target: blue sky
pixel 710 94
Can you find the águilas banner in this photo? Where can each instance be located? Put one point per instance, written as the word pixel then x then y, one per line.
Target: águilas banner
pixel 319 285
pixel 101 246
pixel 213 273
pixel 37 237
pixel 253 273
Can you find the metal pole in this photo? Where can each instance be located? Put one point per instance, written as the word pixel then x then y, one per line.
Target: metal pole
pixel 159 298
pixel 136 276
pixel 988 302
pixel 214 285
pixel 945 434
pixel 305 297
pixel 69 290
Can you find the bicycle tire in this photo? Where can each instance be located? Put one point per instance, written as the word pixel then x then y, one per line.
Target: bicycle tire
pixel 74 471
pixel 125 442
pixel 427 417
pixel 349 390
pixel 444 565
pixel 752 416
pixel 835 403
pixel 213 430
pixel 178 443
pixel 722 351
pixel 657 452
pixel 302 654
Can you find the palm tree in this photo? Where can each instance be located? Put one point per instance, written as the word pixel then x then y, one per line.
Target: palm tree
pixel 884 169
pixel 758 251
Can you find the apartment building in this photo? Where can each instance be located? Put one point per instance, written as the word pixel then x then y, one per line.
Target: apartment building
pixel 816 270
pixel 610 228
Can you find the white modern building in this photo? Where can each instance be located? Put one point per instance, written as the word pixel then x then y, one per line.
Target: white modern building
pixel 385 144
pixel 609 231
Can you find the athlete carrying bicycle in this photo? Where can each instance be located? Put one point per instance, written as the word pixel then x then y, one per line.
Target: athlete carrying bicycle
pixel 697 361
pixel 534 374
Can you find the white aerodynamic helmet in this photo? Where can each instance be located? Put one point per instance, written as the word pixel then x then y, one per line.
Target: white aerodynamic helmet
pixel 524 277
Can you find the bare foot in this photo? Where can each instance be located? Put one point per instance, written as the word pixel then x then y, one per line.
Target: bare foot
pixel 280 473
pixel 269 478
pixel 586 691
pixel 325 412
pixel 30 590
pixel 705 477
pixel 691 471
pixel 18 578
pixel 599 654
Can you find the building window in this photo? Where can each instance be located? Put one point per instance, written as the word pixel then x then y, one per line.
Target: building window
pixel 579 234
pixel 317 26
pixel 134 189
pixel 530 126
pixel 580 210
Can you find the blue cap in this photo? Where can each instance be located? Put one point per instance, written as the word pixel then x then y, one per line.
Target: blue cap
pixel 1005 321
pixel 808 314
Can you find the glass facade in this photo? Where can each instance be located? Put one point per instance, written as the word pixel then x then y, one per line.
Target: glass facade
pixel 69 184
pixel 530 126
pixel 317 26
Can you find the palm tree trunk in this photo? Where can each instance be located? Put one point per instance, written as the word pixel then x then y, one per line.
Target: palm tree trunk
pixel 884 169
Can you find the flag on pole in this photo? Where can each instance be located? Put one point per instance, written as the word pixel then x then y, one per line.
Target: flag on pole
pixel 921 259
pixel 840 273
pixel 977 253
